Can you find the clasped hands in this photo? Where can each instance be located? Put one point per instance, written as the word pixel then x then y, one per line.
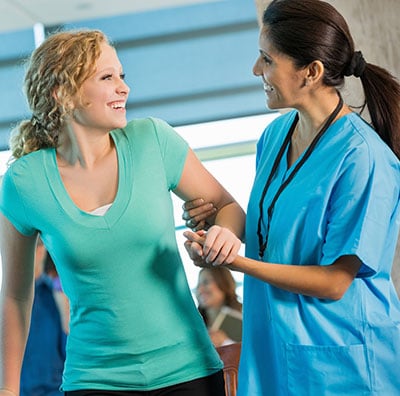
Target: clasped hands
pixel 207 245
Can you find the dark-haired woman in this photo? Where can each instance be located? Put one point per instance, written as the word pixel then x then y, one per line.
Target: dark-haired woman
pixel 321 315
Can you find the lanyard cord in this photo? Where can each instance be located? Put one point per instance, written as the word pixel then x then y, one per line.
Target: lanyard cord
pixel 262 242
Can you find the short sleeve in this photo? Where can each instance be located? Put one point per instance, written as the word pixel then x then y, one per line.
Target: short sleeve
pixel 363 211
pixel 174 150
pixel 12 204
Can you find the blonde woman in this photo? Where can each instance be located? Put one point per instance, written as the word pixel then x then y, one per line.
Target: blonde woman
pixel 97 190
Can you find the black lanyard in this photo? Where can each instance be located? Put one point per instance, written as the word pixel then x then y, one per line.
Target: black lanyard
pixel 263 241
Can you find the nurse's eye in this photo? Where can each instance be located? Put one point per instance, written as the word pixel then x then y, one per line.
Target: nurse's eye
pixel 107 77
pixel 122 76
pixel 266 59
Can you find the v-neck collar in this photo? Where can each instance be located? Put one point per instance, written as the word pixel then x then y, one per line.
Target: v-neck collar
pixel 122 196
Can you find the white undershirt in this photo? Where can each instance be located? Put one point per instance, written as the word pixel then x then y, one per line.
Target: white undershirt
pixel 101 211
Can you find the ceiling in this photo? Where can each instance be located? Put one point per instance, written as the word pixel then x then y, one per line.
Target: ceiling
pixel 24 14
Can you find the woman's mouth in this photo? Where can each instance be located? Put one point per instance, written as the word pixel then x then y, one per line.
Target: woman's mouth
pixel 268 88
pixel 117 105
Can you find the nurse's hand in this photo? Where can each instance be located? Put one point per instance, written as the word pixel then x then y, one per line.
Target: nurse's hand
pixel 196 213
pixel 216 247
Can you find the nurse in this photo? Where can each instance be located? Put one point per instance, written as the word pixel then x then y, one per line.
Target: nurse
pixel 321 315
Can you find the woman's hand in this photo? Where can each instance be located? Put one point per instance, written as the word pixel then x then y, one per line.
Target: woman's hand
pixel 194 247
pixel 216 247
pixel 196 212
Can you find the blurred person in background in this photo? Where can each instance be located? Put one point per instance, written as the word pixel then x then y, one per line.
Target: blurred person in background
pixel 44 356
pixel 219 305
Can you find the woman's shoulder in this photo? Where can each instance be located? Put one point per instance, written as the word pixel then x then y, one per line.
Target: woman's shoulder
pixel 28 163
pixel 151 131
pixel 144 125
pixel 362 139
pixel 144 128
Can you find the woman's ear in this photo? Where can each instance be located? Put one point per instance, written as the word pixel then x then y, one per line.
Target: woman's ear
pixel 62 101
pixel 314 73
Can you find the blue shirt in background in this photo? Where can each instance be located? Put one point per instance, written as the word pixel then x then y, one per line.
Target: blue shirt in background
pixel 45 350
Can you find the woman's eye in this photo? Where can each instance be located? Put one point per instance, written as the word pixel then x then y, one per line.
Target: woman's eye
pixel 122 76
pixel 266 60
pixel 107 77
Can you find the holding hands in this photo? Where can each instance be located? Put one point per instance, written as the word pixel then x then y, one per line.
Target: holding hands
pixel 216 246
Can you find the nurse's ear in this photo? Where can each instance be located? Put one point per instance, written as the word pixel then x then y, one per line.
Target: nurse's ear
pixel 314 73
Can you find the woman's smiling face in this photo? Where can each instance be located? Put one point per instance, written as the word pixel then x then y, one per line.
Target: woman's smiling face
pixel 282 79
pixel 102 98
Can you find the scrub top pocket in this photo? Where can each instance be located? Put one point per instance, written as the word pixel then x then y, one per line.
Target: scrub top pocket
pixel 327 370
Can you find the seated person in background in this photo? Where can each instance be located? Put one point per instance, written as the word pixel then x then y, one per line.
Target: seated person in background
pixel 44 357
pixel 219 305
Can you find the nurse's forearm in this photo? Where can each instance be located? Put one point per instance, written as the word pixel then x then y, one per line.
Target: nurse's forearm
pixel 325 282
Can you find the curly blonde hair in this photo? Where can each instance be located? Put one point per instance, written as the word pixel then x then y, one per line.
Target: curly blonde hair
pixel 55 72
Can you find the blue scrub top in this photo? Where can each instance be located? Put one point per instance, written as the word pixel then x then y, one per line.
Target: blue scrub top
pixel 343 201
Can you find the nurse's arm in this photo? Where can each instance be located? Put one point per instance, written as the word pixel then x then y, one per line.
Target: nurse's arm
pixel 17 252
pixel 320 281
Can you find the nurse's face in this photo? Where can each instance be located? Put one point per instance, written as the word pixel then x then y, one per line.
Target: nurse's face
pixel 283 82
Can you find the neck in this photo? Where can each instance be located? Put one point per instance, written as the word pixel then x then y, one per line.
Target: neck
pixel 84 150
pixel 212 313
pixel 311 123
pixel 315 113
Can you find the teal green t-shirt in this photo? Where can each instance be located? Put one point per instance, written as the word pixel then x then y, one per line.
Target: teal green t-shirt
pixel 134 324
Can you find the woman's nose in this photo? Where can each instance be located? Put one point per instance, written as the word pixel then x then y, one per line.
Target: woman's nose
pixel 257 71
pixel 123 87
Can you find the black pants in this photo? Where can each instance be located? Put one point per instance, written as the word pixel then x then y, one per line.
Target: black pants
pixel 212 385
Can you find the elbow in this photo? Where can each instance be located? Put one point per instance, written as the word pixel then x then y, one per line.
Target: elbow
pixel 334 293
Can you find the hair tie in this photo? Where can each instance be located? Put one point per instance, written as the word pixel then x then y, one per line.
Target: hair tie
pixel 357 65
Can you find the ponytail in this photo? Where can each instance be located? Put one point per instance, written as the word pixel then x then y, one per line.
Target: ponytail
pixel 382 95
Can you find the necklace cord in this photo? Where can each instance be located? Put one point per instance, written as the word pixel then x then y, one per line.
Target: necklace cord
pixel 263 241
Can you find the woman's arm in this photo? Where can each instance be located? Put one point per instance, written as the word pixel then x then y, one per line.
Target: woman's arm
pixel 16 300
pixel 196 182
pixel 199 215
pixel 320 281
